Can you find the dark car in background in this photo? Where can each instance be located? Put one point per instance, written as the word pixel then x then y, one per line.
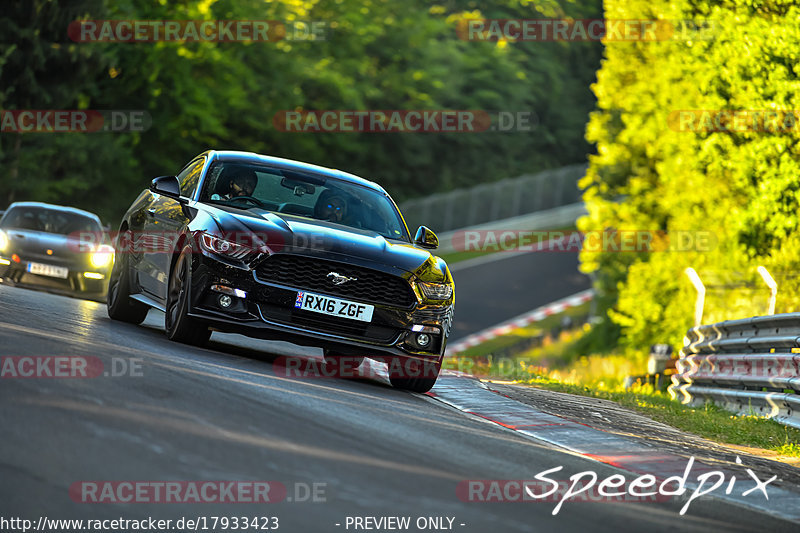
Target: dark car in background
pixel 278 249
pixel 55 248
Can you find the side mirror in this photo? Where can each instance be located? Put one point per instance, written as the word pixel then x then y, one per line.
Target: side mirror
pixel 425 238
pixel 166 185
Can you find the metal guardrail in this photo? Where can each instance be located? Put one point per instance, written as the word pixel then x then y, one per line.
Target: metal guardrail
pixel 498 200
pixel 748 366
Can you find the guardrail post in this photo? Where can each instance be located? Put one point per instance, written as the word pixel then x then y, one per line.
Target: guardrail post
pixel 701 295
pixel 773 288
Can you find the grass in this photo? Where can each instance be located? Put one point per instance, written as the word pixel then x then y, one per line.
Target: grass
pixel 561 366
pixel 519 335
pixel 710 421
pixel 558 358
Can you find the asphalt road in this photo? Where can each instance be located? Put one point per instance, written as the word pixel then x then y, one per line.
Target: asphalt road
pixel 225 413
pixel 496 288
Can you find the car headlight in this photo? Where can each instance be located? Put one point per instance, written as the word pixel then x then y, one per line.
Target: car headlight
pixel 225 248
pixel 3 241
pixel 436 291
pixel 102 257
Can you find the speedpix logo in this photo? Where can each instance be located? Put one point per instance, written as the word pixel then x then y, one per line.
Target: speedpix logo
pixel 588 487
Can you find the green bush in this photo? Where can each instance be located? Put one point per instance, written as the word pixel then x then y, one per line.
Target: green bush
pixel 742 186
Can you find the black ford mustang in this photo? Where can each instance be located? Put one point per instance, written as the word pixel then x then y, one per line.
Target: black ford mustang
pixel 278 249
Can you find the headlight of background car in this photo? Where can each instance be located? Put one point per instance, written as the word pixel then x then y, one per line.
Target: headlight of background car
pixel 3 241
pixel 223 247
pixel 436 291
pixel 102 257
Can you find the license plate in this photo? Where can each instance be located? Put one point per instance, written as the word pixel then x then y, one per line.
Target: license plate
pixel 48 270
pixel 333 306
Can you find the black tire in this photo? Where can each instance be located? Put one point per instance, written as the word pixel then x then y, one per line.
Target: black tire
pixel 410 375
pixel 118 301
pixel 343 365
pixel 178 325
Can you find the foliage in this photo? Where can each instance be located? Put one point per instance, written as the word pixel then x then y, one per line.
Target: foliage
pixel 41 69
pixel 378 54
pixel 650 174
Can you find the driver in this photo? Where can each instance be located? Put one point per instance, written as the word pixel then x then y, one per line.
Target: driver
pixel 244 183
pixel 241 182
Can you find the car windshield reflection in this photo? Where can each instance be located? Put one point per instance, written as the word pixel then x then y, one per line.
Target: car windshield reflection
pixel 303 195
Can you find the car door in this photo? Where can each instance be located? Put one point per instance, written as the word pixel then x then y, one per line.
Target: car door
pixel 164 222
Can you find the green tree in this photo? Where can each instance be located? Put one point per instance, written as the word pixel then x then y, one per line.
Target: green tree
pixel 652 174
pixel 40 68
pixel 378 54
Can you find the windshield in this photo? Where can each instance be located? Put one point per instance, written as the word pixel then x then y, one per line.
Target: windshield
pixel 48 221
pixel 305 195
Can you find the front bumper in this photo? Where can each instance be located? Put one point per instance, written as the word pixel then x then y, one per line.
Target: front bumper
pixel 75 284
pixel 268 312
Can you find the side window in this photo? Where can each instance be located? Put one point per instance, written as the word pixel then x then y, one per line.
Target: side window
pixel 190 176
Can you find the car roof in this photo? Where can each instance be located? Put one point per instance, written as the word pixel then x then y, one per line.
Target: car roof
pixel 63 208
pixel 250 157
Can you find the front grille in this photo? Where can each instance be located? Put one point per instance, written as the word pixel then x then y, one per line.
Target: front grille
pixel 312 275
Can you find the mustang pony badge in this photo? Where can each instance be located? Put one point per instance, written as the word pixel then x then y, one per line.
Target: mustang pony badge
pixel 338 279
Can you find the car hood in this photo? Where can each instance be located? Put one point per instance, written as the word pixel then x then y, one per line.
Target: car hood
pixel 282 233
pixel 34 246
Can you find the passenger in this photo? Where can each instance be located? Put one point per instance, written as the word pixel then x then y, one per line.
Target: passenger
pixel 331 206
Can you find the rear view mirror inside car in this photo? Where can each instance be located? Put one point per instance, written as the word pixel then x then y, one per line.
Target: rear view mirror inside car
pixel 298 187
